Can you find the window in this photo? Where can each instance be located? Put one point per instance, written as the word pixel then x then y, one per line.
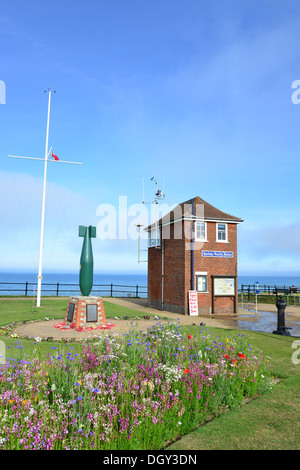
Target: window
pixel 200 231
pixel 154 237
pixel 222 233
pixel 201 281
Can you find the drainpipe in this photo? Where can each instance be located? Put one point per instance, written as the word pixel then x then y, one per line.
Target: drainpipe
pixel 162 269
pixel 192 247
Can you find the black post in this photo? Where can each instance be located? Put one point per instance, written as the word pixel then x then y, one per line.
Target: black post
pixel 26 288
pixel 57 288
pixel 281 328
pixel 111 290
pixel 137 291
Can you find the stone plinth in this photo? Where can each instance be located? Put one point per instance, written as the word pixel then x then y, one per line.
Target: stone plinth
pixel 85 313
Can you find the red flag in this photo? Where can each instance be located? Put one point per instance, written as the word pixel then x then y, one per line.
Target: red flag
pixel 54 156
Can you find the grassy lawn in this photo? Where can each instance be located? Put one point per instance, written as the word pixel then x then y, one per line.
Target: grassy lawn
pixel 19 309
pixel 268 422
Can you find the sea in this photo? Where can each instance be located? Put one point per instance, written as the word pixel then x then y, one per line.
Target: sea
pixel 112 284
pixel 65 284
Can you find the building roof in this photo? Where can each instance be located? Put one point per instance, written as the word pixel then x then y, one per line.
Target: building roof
pixel 186 210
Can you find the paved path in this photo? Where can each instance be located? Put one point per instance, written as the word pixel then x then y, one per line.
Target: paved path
pixel 241 320
pixel 219 321
pixel 232 321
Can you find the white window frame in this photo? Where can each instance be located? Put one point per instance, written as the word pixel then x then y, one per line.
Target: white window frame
pixel 197 239
pixel 154 239
pixel 226 232
pixel 201 274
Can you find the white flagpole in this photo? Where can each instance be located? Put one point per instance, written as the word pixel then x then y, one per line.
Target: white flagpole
pixel 47 153
pixel 43 209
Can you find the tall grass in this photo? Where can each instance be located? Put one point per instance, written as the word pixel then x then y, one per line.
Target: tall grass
pixel 135 391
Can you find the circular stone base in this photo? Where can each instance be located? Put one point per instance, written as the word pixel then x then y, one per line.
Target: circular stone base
pixel 45 330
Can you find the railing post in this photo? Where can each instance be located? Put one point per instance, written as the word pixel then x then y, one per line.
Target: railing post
pixel 137 291
pixel 111 290
pixel 26 288
pixel 57 289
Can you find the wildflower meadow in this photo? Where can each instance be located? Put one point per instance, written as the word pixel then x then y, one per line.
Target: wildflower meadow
pixel 137 391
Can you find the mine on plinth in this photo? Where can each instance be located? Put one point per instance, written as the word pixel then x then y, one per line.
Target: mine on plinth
pixel 85 312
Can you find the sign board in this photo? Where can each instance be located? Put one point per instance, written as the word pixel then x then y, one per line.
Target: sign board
pixel 224 286
pixel 193 303
pixel 217 254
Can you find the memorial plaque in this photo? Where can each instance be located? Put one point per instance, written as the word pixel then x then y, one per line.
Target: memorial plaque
pixel 91 312
pixel 70 312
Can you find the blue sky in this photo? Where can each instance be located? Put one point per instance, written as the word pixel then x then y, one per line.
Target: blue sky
pixel 195 93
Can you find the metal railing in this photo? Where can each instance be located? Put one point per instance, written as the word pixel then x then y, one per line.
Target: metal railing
pixel 253 293
pixel 60 289
pixel 267 289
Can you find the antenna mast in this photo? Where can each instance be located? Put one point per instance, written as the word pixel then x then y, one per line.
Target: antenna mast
pixel 159 195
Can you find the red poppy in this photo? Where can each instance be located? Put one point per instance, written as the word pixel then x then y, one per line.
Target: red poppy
pixel 186 371
pixel 241 356
pixel 189 336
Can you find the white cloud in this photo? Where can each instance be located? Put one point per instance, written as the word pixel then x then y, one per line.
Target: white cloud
pixel 20 219
pixel 241 73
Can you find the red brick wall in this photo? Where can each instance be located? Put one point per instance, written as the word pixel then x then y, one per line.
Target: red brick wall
pixel 174 269
pixel 154 277
pixel 177 270
pixel 216 267
pixel 174 275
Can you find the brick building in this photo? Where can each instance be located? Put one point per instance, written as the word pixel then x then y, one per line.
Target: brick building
pixel 193 248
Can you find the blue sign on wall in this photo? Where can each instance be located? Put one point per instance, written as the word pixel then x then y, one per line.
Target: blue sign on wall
pixel 217 254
